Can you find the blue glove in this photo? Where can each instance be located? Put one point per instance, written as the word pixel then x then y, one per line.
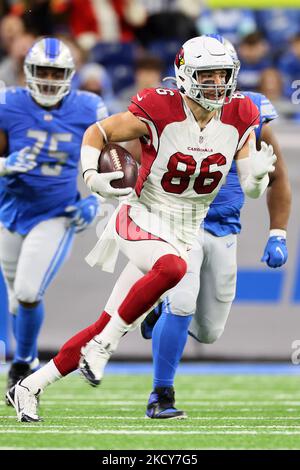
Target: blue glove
pixel 21 161
pixel 83 212
pixel 276 253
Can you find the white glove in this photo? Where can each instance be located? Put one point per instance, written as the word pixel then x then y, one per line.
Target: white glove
pixel 261 161
pixel 100 183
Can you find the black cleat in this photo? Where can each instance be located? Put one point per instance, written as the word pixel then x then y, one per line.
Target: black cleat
pixel 161 404
pixel 150 321
pixel 17 371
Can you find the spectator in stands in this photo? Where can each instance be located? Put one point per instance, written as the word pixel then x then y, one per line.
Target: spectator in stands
pixel 232 23
pixel 271 85
pixel 253 54
pixel 148 74
pixel 278 26
pixel 94 78
pixel 91 21
pixel 11 68
pixel 11 26
pixel 289 65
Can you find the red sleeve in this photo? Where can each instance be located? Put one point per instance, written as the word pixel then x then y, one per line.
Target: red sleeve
pixel 243 114
pixel 158 107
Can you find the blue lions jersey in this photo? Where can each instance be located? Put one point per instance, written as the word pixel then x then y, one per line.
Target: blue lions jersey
pixel 54 136
pixel 223 216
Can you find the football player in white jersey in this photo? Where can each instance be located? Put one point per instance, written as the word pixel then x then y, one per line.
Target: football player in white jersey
pixel 189 138
pixel 200 303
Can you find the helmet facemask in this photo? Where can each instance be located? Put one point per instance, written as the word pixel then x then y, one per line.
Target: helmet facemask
pixel 48 91
pixel 207 93
pixel 231 51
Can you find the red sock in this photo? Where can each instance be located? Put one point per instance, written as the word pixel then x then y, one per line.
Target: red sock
pixel 67 358
pixel 165 274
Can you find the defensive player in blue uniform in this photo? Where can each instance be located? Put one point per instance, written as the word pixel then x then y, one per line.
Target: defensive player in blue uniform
pixel 201 302
pixel 40 207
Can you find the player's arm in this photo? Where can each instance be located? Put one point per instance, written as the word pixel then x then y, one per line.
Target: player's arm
pixel 279 192
pixel 254 166
pixel 279 205
pixel 3 142
pixel 3 139
pixel 20 161
pixel 3 148
pixel 117 128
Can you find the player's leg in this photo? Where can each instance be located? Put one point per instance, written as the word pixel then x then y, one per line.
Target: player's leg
pixel 163 268
pixel 169 337
pixel 67 359
pixel 150 321
pixel 24 395
pixel 28 390
pixel 217 288
pixel 10 248
pixel 43 251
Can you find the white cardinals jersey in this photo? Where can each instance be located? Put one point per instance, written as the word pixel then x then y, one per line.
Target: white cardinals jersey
pixel 182 166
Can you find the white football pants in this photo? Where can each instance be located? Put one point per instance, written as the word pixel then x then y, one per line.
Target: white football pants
pixel 29 263
pixel 142 254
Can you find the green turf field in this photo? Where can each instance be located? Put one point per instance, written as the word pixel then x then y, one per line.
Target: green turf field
pixel 224 412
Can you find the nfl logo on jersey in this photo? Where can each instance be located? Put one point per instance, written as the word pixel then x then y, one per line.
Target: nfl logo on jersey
pixel 48 117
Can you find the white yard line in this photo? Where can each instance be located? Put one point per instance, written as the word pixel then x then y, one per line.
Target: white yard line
pixel 201 396
pixel 194 418
pixel 98 402
pixel 142 427
pixel 150 432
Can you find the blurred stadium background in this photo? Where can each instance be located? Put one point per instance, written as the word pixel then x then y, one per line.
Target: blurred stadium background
pixel 121 46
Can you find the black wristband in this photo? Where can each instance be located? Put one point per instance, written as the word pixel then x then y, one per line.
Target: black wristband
pixel 89 169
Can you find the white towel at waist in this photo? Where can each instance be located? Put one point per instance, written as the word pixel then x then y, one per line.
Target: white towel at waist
pixel 105 252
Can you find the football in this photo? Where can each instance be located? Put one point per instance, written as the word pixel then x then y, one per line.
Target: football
pixel 114 157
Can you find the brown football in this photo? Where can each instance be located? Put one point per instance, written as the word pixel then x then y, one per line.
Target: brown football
pixel 113 157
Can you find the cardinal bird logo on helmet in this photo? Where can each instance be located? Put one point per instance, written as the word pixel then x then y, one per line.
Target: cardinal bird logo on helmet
pixel 179 59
